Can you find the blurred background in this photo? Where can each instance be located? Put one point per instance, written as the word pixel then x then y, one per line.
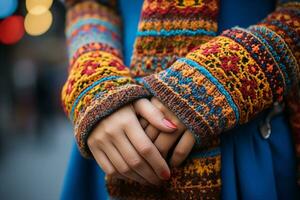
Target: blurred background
pixel 35 136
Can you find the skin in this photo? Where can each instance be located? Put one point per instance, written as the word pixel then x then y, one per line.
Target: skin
pixel 127 146
pixel 182 139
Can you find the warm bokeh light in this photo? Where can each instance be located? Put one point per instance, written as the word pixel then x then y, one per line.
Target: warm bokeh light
pixel 11 29
pixel 38 7
pixel 38 24
pixel 38 10
pixel 7 7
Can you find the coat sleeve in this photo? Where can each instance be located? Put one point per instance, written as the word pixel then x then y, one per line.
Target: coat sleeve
pixel 98 83
pixel 233 77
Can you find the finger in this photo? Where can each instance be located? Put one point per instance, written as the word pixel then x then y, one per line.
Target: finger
pixel 153 115
pixel 164 142
pixel 182 149
pixel 106 165
pixel 152 132
pixel 144 123
pixel 104 162
pixel 134 160
pixel 167 113
pixel 146 149
pixel 120 165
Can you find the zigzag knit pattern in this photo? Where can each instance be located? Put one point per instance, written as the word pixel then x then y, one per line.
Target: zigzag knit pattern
pixel 98 82
pixel 233 77
pixel 169 30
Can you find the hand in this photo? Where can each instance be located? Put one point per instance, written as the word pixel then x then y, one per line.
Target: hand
pixel 165 141
pixel 121 147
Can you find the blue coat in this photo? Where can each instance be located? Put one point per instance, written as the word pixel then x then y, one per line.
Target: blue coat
pixel 252 167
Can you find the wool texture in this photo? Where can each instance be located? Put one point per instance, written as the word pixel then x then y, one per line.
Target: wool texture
pixel 212 83
pixel 98 82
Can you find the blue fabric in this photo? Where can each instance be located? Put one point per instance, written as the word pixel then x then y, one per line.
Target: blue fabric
pixel 252 167
pixel 84 180
pixel 130 12
pixel 243 12
pixel 258 168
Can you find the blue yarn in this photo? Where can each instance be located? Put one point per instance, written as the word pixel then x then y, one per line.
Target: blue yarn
pixel 205 154
pixel 93 21
pixel 198 94
pixel 154 93
pixel 290 32
pixel 95 34
pixel 164 32
pixel 275 55
pixel 220 87
pixel 249 49
pixel 87 90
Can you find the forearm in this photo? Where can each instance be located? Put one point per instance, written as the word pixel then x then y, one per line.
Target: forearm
pixel 233 77
pixel 98 82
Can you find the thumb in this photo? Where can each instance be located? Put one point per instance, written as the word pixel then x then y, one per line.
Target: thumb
pixel 153 115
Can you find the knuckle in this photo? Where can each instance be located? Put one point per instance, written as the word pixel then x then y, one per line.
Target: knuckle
pixel 107 129
pixel 130 120
pixel 91 141
pixel 125 170
pixel 95 140
pixel 146 150
pixel 99 139
pixel 135 163
pixel 179 153
pixel 127 120
pixel 111 134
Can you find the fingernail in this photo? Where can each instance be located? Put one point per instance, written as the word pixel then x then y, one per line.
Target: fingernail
pixel 165 175
pixel 169 123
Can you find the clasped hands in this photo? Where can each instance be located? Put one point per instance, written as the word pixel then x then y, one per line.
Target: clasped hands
pixel 134 141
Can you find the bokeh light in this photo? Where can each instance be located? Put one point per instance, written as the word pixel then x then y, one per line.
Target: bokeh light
pixel 7 7
pixel 38 7
pixel 11 29
pixel 38 24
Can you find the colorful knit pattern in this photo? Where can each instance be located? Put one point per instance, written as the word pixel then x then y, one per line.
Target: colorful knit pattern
pixel 293 102
pixel 108 3
pixel 198 178
pixel 222 83
pixel 233 77
pixel 98 81
pixel 169 30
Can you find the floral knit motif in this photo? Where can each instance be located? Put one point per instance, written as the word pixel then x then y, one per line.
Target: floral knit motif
pixel 210 83
pixel 98 81
pixel 169 30
pixel 234 76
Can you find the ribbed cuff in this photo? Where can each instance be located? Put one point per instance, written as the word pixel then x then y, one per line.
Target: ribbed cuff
pixel 202 120
pixel 102 107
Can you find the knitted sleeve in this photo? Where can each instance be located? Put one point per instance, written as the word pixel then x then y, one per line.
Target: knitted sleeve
pixel 98 82
pixel 233 77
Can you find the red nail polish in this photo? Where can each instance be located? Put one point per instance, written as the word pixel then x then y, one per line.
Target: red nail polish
pixel 169 124
pixel 165 175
